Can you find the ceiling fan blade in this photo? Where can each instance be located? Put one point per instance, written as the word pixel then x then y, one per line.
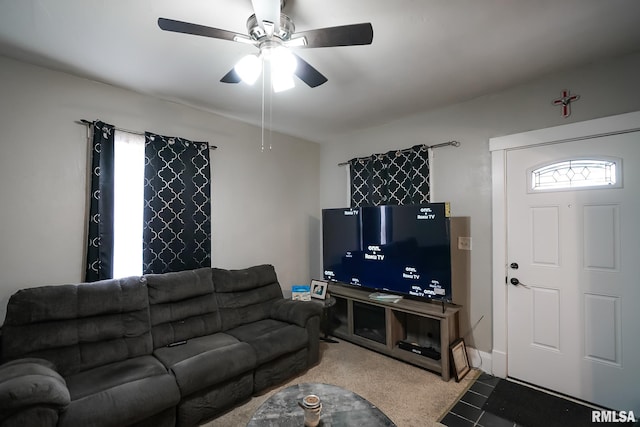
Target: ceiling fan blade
pixel 267 11
pixel 200 30
pixel 308 74
pixel 231 77
pixel 345 35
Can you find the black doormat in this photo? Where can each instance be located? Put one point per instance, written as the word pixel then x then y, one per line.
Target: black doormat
pixel 529 407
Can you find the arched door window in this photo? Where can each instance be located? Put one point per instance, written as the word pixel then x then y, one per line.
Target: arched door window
pixel 575 174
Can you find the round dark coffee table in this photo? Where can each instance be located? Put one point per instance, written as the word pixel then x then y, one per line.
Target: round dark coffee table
pixel 340 407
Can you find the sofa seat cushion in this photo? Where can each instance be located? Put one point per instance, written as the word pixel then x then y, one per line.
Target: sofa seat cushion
pixel 119 394
pixel 207 361
pixel 271 338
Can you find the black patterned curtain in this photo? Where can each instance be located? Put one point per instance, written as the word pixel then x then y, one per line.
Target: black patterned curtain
pixel 398 177
pixel 177 208
pixel 100 232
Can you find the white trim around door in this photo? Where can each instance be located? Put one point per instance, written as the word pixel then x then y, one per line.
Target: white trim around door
pixel 623 123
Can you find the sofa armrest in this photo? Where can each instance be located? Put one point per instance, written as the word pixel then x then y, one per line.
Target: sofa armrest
pixel 30 383
pixel 297 312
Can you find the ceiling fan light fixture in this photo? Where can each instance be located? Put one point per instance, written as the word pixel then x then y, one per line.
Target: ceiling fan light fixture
pixel 268 29
pixel 283 66
pixel 249 68
pixel 281 82
pixel 283 61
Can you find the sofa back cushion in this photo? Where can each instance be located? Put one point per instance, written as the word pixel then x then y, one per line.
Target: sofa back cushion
pixel 79 327
pixel 183 306
pixel 245 296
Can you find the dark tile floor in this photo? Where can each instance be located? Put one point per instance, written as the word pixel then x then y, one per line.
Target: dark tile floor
pixel 468 411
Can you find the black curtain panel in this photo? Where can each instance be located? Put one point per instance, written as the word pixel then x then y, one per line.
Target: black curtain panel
pixel 398 177
pixel 360 179
pixel 177 206
pixel 100 230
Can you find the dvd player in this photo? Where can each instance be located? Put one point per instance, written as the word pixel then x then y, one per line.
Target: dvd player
pixel 429 352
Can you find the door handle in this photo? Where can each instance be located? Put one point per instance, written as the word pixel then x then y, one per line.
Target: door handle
pixel 515 282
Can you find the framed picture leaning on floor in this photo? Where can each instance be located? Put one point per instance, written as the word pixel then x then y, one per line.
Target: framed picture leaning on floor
pixel 460 359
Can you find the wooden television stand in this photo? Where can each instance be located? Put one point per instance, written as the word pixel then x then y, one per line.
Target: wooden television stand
pixel 380 326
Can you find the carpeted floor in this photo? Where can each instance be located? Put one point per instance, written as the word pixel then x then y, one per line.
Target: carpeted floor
pixel 409 396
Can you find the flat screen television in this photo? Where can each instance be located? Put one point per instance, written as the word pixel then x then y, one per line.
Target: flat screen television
pixel 341 240
pixel 397 249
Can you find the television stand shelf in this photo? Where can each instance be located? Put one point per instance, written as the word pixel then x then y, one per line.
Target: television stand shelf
pixel 380 326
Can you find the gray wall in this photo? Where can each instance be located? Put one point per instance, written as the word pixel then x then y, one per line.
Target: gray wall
pixel 265 205
pixel 462 175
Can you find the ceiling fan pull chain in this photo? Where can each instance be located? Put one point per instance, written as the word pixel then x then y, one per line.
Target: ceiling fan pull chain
pixel 262 128
pixel 270 120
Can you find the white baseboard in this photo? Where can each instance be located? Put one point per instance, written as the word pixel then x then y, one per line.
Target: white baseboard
pixel 480 360
pixel 499 365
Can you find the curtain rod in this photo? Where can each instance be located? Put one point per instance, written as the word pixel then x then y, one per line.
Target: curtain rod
pixel 88 123
pixel 443 144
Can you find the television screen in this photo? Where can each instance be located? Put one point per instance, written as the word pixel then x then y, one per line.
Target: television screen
pixel 341 240
pixel 404 249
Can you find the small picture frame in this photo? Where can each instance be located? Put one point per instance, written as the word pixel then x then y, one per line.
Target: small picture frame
pixel 301 293
pixel 460 359
pixel 319 289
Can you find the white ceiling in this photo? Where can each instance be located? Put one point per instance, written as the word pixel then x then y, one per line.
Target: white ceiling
pixel 425 53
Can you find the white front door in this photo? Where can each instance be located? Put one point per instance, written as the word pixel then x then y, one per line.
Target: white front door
pixel 573 269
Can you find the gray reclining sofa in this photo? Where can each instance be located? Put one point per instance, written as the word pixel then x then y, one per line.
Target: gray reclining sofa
pixel 157 350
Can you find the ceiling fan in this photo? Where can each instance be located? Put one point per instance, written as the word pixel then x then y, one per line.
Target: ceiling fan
pixel 273 33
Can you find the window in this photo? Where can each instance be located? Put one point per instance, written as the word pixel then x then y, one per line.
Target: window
pixel 150 207
pixel 128 204
pixel 397 177
pixel 576 174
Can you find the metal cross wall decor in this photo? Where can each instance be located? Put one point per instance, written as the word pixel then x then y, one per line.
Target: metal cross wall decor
pixel 565 101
